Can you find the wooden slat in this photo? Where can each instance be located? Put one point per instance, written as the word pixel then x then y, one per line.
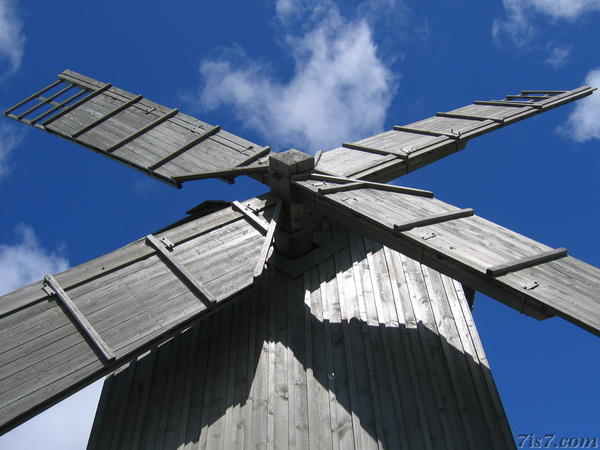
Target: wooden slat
pixel 524 263
pixel 56 107
pixel 82 323
pixel 259 154
pixel 506 103
pixel 261 223
pixel 368 185
pixel 182 272
pixel 208 133
pixel 71 107
pixel 543 92
pixel 264 251
pixel 44 102
pixel 143 130
pixel 468 116
pixel 528 97
pixel 436 218
pixel 400 153
pixel 107 116
pixel 343 184
pixel 226 173
pixel 452 135
pixel 31 97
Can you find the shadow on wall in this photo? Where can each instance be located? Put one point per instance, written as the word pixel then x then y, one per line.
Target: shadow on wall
pixel 367 349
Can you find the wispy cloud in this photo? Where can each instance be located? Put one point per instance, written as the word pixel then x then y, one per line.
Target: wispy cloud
pixel 584 122
pixel 558 55
pixel 12 39
pixel 340 89
pixel 518 27
pixel 26 261
pixel 10 137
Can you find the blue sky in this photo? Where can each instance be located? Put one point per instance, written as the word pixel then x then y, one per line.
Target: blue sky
pixel 310 75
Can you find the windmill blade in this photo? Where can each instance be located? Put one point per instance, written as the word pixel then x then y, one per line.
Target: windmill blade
pixel 520 272
pixel 64 332
pixel 161 142
pixel 389 155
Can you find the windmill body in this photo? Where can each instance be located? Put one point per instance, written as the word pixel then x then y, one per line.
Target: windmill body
pixel 328 312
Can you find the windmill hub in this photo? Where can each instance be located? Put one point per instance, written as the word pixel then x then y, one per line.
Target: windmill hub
pixel 294 234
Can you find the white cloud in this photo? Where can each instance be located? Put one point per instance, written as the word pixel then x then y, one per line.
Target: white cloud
pixel 584 122
pixel 10 137
pixel 27 261
pixel 339 90
pixel 517 25
pixel 12 40
pixel 558 56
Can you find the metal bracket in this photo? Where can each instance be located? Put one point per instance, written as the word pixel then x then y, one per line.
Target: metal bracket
pixel 531 285
pixel 428 235
pixel 168 244
pixel 48 290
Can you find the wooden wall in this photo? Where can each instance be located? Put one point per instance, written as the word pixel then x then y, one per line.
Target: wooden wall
pixel 367 349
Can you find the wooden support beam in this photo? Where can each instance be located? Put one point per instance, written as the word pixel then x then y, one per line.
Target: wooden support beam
pixel 403 154
pixel 185 147
pixel 80 102
pixel 543 92
pixel 468 116
pixel 257 220
pixel 506 103
pixel 107 116
pixel 352 183
pixel 528 261
pixel 341 187
pixel 318 156
pixel 264 251
pixel 143 130
pixel 436 218
pixel 32 96
pixel 55 108
pixel 528 97
pixel 452 135
pixel 71 310
pixel 182 272
pixel 262 152
pixel 45 101
pixel 233 172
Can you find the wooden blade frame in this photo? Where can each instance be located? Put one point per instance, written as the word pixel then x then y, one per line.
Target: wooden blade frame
pixel 68 330
pixel 389 155
pixel 159 141
pixel 516 270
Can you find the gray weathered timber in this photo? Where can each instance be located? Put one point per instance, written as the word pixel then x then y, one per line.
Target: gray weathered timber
pixel 523 263
pixel 268 242
pixel 73 312
pixel 465 248
pixel 159 141
pixel 127 300
pixel 368 349
pixel 391 154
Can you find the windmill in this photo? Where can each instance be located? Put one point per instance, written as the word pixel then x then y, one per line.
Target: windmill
pixel 332 311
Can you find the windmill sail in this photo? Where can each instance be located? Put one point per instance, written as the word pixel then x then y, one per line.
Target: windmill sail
pixel 389 155
pixel 518 271
pixel 159 141
pixel 62 333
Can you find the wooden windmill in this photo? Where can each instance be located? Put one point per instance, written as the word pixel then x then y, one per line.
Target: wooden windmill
pixel 331 312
